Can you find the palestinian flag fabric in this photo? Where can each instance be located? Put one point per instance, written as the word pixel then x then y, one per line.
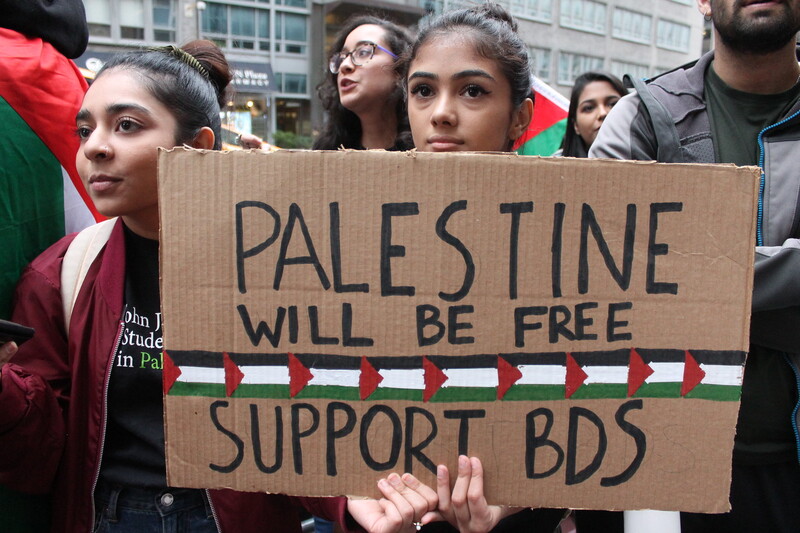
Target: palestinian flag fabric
pixel 41 196
pixel 546 130
pixel 625 373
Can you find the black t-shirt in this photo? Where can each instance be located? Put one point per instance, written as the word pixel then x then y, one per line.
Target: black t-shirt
pixel 134 447
pixel 738 117
pixel 764 433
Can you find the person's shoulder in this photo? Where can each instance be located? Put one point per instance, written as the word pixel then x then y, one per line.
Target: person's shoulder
pixel 53 254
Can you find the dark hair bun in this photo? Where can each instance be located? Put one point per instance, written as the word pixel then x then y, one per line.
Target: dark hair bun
pixel 497 12
pixel 213 60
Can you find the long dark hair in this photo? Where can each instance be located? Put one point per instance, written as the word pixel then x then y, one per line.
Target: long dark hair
pixel 496 39
pixel 573 145
pixel 342 127
pixel 174 80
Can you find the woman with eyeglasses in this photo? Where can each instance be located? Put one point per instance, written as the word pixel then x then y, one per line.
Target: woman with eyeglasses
pixel 362 94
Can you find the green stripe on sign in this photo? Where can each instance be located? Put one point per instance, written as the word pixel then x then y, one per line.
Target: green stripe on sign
pixel 330 392
pixel 212 390
pixel 659 390
pixel 720 393
pixel 31 200
pixel 524 393
pixel 601 391
pixel 413 395
pixel 547 142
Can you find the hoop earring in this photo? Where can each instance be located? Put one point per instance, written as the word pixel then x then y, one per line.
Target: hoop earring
pixel 707 17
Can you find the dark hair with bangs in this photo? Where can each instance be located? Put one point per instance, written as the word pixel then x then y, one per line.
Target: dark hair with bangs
pixel 495 38
pixel 194 100
pixel 343 127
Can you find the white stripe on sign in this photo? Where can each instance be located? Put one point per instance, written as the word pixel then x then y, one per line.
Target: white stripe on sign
pixel 606 374
pixel 470 377
pixel 542 375
pixel 202 374
pixel 723 375
pixel 405 378
pixel 334 376
pixel 265 375
pixel 666 373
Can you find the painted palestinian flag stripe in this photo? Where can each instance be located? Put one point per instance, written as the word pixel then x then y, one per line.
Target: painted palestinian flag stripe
pixel 633 372
pixel 546 130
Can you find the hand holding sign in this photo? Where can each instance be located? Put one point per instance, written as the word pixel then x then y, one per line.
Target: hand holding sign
pixel 466 508
pixel 405 502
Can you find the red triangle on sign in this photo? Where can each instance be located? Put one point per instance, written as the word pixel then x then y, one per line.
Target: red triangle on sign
pixel 638 371
pixel 692 374
pixel 299 375
pixel 434 379
pixel 369 379
pixel 170 372
pixel 575 376
pixel 507 375
pixel 233 375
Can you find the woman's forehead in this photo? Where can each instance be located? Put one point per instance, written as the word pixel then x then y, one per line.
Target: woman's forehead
pixel 366 33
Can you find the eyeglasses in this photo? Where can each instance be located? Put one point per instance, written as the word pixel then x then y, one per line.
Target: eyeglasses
pixel 359 55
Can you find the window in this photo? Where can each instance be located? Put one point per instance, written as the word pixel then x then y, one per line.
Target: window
pixel 540 62
pixel 132 20
pixel 164 20
pixel 632 26
pixel 290 83
pixel 243 28
pixel 292 3
pixel 635 70
pixel 585 15
pixel 673 36
pixel 131 15
pixel 291 32
pixel 541 10
pixel 98 15
pixel 570 66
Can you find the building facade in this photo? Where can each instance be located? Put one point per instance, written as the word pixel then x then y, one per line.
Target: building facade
pixel 279 48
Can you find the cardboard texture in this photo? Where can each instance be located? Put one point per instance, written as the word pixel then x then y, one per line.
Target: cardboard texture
pixel 579 325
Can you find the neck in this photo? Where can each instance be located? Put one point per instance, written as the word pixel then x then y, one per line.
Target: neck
pixel 770 73
pixel 146 227
pixel 378 128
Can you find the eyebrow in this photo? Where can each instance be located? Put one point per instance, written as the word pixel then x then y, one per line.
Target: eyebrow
pixel 114 109
pixel 421 74
pixel 473 73
pixel 359 43
pixel 457 76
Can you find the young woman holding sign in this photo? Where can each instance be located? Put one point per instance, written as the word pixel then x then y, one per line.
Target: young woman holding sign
pixel 82 411
pixel 468 85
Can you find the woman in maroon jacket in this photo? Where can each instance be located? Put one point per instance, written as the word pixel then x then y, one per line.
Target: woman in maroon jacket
pixel 75 418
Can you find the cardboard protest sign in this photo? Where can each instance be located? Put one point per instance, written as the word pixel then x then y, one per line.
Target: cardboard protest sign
pixel 579 325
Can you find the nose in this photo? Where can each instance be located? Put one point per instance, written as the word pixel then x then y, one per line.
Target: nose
pixel 444 112
pixel 96 147
pixel 347 65
pixel 604 109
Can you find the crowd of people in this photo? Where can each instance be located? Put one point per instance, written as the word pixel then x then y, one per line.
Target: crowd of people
pixel 69 427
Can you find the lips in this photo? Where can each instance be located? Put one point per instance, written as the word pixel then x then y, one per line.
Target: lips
pixel 346 84
pixel 444 143
pixel 100 183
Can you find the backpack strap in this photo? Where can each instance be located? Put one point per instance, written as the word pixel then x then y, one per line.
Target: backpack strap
pixel 80 255
pixel 669 145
